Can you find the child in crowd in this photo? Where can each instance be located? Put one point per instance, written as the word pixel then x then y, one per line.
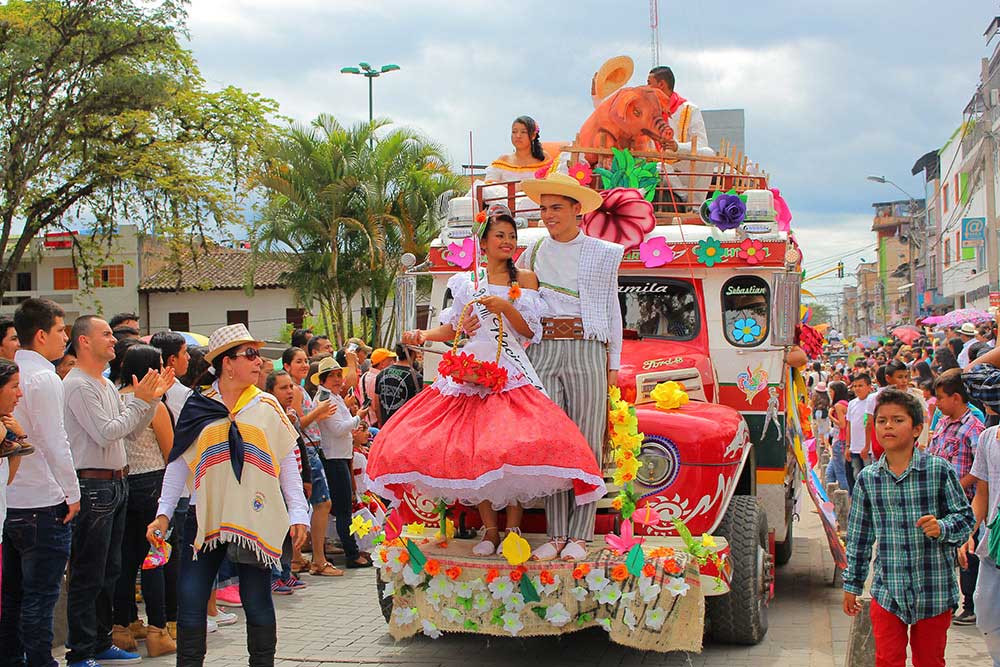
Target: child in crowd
pixel 898 375
pixel 912 504
pixel 859 444
pixel 820 404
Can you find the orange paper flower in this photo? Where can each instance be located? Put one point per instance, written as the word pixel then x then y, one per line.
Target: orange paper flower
pixel 454 572
pixel 619 572
pixel 384 556
pixel 514 293
pixel 616 504
pixel 432 567
pixel 546 578
pixel 671 566
pixel 649 570
pixel 516 575
pixel 404 557
pixel 481 216
pixel 581 571
pixel 661 552
pixel 492 575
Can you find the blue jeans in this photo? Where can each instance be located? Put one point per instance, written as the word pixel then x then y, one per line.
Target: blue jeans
pixel 140 510
pixel 198 578
pixel 95 563
pixel 320 489
pixel 36 546
pixel 837 469
pixel 338 476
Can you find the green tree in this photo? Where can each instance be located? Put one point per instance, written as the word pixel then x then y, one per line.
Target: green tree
pixel 348 202
pixel 106 118
pixel 821 312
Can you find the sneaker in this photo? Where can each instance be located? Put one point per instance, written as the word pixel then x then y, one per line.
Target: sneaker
pixel 294 583
pixel 116 656
pixel 223 618
pixel 229 596
pixel 965 618
pixel 83 663
pixel 211 626
pixel 278 588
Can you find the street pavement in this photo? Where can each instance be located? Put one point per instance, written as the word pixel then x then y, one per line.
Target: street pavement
pixel 337 621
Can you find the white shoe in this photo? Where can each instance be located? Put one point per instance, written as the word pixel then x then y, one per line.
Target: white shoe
pixel 485 548
pixel 211 626
pixel 223 618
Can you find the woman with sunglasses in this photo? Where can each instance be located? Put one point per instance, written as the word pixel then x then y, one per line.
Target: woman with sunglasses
pixel 465 442
pixel 230 442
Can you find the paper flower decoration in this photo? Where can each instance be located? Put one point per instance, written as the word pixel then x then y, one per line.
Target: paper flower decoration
pixel 655 252
pixel 727 210
pixel 746 330
pixel 782 214
pixel 360 526
pixel 461 254
pixel 669 395
pixel 707 541
pixel 514 293
pixel 416 528
pixel 647 516
pixel 557 615
pixel 582 172
pixel 709 252
pixel 752 251
pixel 515 549
pixel 625 217
pixel 621 544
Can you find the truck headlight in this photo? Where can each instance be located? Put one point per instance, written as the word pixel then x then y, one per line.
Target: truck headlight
pixel 659 462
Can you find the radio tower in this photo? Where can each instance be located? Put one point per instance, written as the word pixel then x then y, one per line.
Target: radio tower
pixel 654 32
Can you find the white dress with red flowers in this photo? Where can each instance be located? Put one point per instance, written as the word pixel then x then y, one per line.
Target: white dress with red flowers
pixel 463 442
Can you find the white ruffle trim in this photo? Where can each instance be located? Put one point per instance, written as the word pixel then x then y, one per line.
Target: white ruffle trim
pixel 505 485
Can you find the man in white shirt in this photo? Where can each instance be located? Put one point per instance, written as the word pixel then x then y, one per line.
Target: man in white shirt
pixel 580 351
pixel 97 419
pixel 967 332
pixel 43 498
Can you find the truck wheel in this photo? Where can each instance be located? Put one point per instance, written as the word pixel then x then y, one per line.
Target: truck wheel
pixel 783 550
pixel 740 616
pixel 384 603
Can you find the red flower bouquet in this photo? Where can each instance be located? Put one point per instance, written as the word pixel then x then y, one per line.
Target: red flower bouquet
pixel 465 369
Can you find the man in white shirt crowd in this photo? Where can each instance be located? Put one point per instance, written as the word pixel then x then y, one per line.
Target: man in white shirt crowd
pixel 96 421
pixel 43 498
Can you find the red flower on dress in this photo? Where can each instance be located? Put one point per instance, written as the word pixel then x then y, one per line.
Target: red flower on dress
pixel 752 251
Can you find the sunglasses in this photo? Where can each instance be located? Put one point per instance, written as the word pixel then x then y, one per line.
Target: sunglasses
pixel 250 353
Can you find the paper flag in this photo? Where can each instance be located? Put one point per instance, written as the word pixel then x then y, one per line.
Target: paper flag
pixel 635 560
pixel 417 557
pixel 515 549
pixel 528 591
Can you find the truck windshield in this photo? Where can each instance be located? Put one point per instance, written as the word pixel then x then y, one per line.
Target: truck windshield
pixel 659 307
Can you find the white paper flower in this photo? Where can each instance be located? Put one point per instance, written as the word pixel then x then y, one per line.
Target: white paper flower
pixel 440 585
pixel 678 587
pixel 466 589
pixel 557 615
pixel 605 623
pixel 628 598
pixel 430 629
pixel 655 618
pixel 512 622
pixel 629 619
pixel 404 615
pixel 389 590
pixel 453 615
pixel 411 578
pixel 608 595
pixel 649 592
pixel 502 588
pixel 579 592
pixel 393 564
pixel 436 599
pixel 514 603
pixel 596 580
pixel 545 589
pixel 482 603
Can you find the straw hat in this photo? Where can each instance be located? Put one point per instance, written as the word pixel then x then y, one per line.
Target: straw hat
pixel 228 337
pixel 612 75
pixel 967 329
pixel 327 365
pixel 564 186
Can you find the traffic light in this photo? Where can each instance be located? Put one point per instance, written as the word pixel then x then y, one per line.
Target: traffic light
pixel 840 269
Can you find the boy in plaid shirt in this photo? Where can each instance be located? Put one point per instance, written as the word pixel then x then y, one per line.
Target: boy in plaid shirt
pixel 913 505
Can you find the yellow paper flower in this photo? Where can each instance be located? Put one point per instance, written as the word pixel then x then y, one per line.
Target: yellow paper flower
pixel 515 549
pixel 707 541
pixel 415 528
pixel 622 477
pixel 360 526
pixel 627 425
pixel 450 529
pixel 629 466
pixel 619 414
pixel 669 395
pixel 615 394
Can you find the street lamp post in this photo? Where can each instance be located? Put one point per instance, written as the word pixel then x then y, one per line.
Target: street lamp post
pixel 912 241
pixel 370 73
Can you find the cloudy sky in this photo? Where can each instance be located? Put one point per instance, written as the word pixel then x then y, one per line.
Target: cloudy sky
pixel 831 93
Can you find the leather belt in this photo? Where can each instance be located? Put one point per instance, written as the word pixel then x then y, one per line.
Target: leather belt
pixel 562 328
pixel 100 473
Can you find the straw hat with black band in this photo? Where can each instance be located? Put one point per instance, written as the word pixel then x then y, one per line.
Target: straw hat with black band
pixel 327 365
pixel 562 186
pixel 226 338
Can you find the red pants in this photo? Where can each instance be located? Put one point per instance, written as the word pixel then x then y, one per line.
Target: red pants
pixel 927 638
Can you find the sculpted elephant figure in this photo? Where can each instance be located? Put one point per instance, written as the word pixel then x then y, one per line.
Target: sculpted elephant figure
pixel 630 118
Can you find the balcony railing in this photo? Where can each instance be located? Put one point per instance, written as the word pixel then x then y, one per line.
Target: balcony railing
pixel 16 297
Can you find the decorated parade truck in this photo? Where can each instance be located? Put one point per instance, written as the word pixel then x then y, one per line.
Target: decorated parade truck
pixel 709 290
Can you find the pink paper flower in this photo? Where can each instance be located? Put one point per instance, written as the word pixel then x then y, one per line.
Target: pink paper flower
pixel 782 214
pixel 625 217
pixel 752 251
pixel 582 172
pixel 461 254
pixel 655 252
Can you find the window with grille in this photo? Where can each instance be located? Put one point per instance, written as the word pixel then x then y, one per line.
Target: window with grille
pixel 110 276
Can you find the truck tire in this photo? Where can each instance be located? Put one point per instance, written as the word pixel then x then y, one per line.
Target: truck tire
pixel 783 550
pixel 384 603
pixel 740 616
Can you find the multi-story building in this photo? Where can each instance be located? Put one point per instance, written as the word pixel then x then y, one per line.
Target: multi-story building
pixel 894 224
pixel 871 315
pixel 849 321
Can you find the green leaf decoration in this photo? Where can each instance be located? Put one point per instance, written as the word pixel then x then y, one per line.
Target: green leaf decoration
pixel 406 590
pixel 379 539
pixel 528 590
pixel 470 625
pixel 465 603
pixel 497 617
pixel 539 611
pixel 584 618
pixel 417 557
pixel 635 560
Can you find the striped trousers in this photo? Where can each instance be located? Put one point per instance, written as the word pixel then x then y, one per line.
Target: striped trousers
pixel 574 373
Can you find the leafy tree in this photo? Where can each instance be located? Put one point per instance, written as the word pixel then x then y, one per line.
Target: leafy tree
pixel 106 118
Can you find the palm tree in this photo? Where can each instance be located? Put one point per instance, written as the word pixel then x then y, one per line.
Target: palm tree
pixel 348 202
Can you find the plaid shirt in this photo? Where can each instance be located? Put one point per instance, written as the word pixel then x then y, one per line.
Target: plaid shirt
pixel 983 383
pixel 914 574
pixel 955 441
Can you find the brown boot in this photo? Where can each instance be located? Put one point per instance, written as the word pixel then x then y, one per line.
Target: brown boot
pixel 122 638
pixel 159 642
pixel 138 629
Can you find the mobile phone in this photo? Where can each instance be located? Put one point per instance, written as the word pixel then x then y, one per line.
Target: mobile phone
pixel 352 347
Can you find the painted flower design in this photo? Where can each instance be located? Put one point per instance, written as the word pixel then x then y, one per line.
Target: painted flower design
pixel 582 172
pixel 557 615
pixel 655 252
pixel 746 330
pixel 709 252
pixel 752 251
pixel 655 618
pixel 462 254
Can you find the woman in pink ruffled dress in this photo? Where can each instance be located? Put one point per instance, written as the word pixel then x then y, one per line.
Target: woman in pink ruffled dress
pixel 492 448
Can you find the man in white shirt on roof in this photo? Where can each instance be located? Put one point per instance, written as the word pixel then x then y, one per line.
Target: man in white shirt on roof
pixel 43 498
